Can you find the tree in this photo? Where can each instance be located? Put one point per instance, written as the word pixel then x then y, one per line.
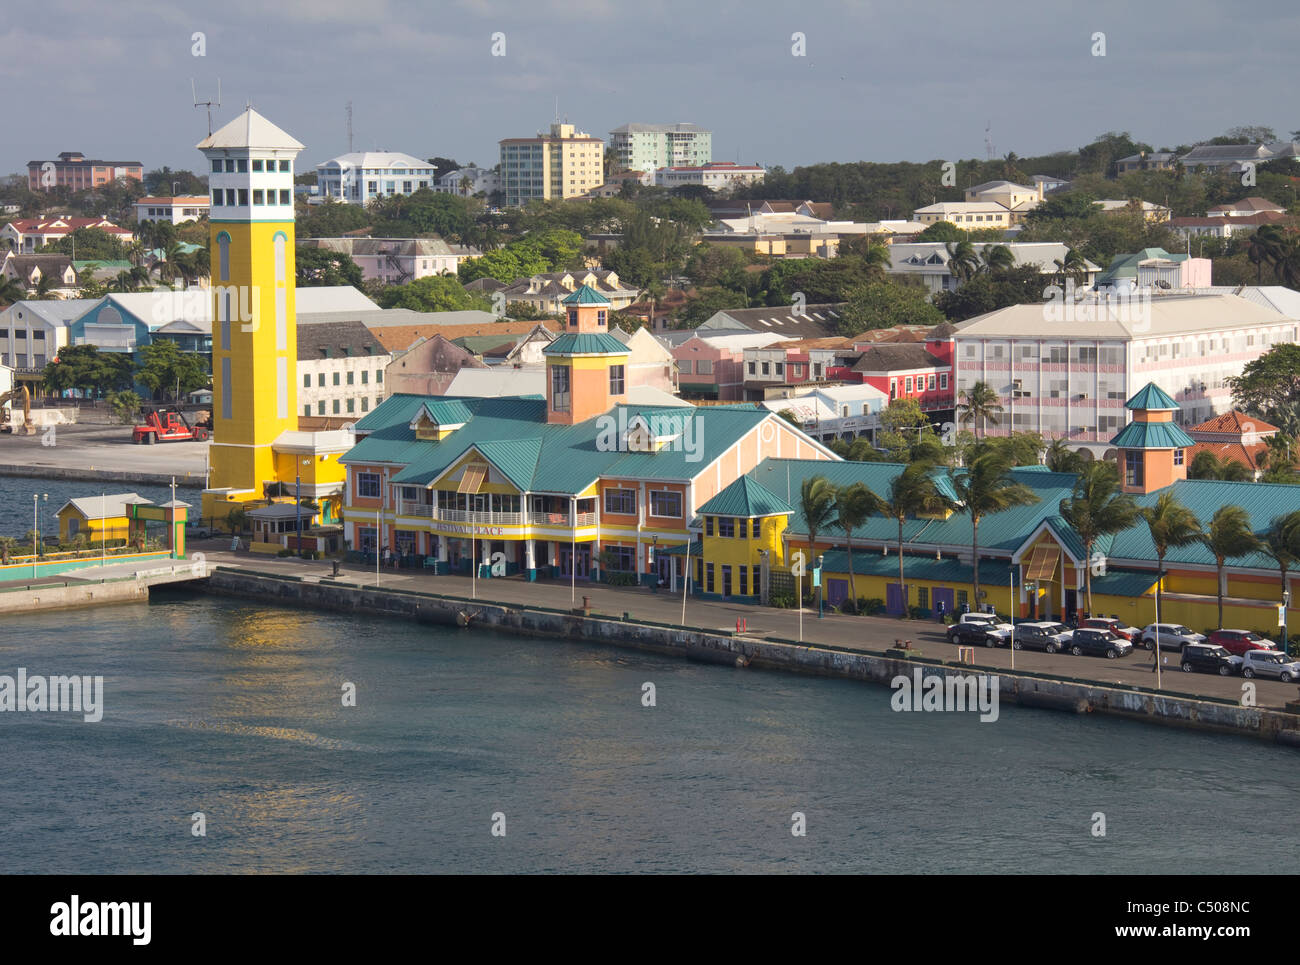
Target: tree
pixel 854 504
pixel 791 418
pixel 165 368
pixel 817 507
pixel 86 368
pixel 962 260
pixel 912 492
pixel 707 303
pixel 988 291
pixel 983 488
pixel 125 405
pixel 1229 535
pixel 898 421
pixel 1097 509
pixel 997 259
pixel 1206 465
pixel 11 290
pixel 1265 247
pixel 942 231
pixel 1270 387
pixel 979 406
pixel 1061 458
pixel 88 244
pixel 1172 525
pixel 883 304
pixel 433 293
pixel 319 267
pixel 236 520
pixel 1280 458
pixel 1281 543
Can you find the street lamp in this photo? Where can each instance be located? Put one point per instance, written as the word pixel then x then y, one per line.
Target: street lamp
pixel 1031 587
pixel 821 589
pixel 1286 605
pixel 36 532
pixel 650 564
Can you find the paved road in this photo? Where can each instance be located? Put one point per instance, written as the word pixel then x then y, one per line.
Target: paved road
pixel 869 634
pixel 103 448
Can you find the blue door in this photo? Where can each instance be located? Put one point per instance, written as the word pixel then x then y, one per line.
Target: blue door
pixel 894 599
pixel 944 595
pixel 837 591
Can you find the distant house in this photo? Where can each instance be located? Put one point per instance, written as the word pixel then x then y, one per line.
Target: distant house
pixel 28 270
pixel 928 261
pixel 1146 161
pixel 1234 436
pixel 1154 213
pixel 341 369
pixel 396 261
pixel 1224 225
pixel 177 210
pixel 1236 157
pixel 1245 208
pixel 547 290
pixel 428 366
pixel 26 235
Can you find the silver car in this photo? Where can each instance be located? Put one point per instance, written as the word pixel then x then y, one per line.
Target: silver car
pixel 1173 636
pixel 1269 663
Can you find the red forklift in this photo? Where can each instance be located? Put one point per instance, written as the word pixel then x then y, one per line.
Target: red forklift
pixel 169 425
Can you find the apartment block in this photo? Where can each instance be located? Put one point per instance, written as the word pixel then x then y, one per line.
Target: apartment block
pixel 648 147
pixel 562 164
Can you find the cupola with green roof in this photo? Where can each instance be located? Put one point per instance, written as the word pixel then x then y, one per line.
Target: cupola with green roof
pixel 586 367
pixel 1152 449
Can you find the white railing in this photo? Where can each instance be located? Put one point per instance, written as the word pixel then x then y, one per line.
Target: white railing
pixel 485 519
pixel 415 509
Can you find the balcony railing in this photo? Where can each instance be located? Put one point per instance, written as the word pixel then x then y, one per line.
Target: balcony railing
pixel 477 518
pixel 415 509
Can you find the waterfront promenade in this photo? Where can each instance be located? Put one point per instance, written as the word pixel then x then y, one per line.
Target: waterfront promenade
pixel 104 453
pixel 872 635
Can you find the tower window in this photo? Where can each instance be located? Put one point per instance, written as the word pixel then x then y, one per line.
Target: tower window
pixel 1133 468
pixel 216 166
pixel 284 196
pixel 284 166
pixel 1178 457
pixel 243 197
pixel 230 197
pixel 257 196
pixel 560 388
pixel 257 166
pixel 617 380
pixel 241 165
pixel 573 318
pixel 230 166
pixel 600 316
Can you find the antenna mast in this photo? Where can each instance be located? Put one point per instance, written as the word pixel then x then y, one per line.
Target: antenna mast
pixel 208 104
pixel 988 140
pixel 349 127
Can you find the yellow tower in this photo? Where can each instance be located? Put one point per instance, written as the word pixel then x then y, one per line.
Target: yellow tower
pixel 254 332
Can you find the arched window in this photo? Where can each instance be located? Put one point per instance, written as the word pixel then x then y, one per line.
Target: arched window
pixel 223 248
pixel 281 240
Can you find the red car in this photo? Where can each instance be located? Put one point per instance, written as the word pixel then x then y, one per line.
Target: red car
pixel 1116 627
pixel 1238 642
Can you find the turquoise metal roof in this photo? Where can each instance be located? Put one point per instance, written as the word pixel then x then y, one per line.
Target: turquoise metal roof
pixel 1122 583
pixel 1067 537
pixel 513 434
pixel 1151 397
pixel 586 343
pixel 947 570
pixel 448 412
pixel 746 497
pixel 680 549
pixel 1152 435
pixel 585 295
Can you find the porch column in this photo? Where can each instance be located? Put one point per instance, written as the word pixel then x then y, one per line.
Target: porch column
pixel 530 560
pixel 486 569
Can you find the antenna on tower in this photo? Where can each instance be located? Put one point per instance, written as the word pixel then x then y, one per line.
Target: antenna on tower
pixel 988 140
pixel 208 104
pixel 557 109
pixel 349 127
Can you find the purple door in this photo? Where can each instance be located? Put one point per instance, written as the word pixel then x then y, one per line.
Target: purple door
pixel 894 598
pixel 944 595
pixel 837 591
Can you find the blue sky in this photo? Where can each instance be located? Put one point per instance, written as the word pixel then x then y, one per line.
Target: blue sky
pixel 879 81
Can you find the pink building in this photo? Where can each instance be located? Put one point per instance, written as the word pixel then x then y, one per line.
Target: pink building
pixel 714 367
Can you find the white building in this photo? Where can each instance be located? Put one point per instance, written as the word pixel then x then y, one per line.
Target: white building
pixel 480 181
pixel 928 261
pixel 32 332
pixel 340 369
pixel 397 261
pixel 176 210
pixel 836 412
pixel 716 175
pixel 364 175
pixel 1066 371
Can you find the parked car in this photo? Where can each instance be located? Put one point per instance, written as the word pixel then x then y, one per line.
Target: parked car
pixel 1269 663
pixel 198 532
pixel 1209 659
pixel 976 634
pixel 1115 626
pixel 1001 632
pixel 1047 636
pixel 1173 636
pixel 1240 641
pixel 1099 643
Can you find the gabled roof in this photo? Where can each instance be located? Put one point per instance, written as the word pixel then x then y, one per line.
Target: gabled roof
pixel 896 357
pixel 585 295
pixel 1152 398
pixel 249 130
pixel 745 498
pixel 101 507
pixel 1233 423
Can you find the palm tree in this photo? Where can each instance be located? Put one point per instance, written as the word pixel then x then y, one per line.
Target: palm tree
pixel 1061 458
pixel 854 503
pixel 1073 266
pixel 45 287
pixel 11 290
pixel 962 260
pixel 912 491
pixel 997 258
pixel 1264 246
pixel 236 520
pixel 1229 535
pixel 465 183
pixel 1096 509
pixel 1282 542
pixel 1280 458
pixel 817 506
pixel 983 488
pixel 979 406
pixel 1172 525
pixel 169 257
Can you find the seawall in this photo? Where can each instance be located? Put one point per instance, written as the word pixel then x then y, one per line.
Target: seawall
pixel 183 479
pixel 1027 689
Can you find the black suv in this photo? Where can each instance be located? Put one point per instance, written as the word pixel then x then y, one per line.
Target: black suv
pixel 971 633
pixel 1208 658
pixel 1099 643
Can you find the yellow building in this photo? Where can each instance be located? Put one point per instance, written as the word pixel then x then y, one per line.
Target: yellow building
pixel 97 517
pixel 565 163
pixel 256 442
pixel 743 530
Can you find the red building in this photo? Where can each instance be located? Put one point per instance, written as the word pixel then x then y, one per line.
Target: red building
pixel 76 172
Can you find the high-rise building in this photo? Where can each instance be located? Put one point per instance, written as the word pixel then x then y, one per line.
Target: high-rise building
pixel 649 147
pixel 255 441
pixel 76 172
pixel 562 164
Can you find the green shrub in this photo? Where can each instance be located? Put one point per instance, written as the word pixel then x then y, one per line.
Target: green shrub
pixel 919 612
pixel 285 552
pixel 871 606
pixel 783 601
